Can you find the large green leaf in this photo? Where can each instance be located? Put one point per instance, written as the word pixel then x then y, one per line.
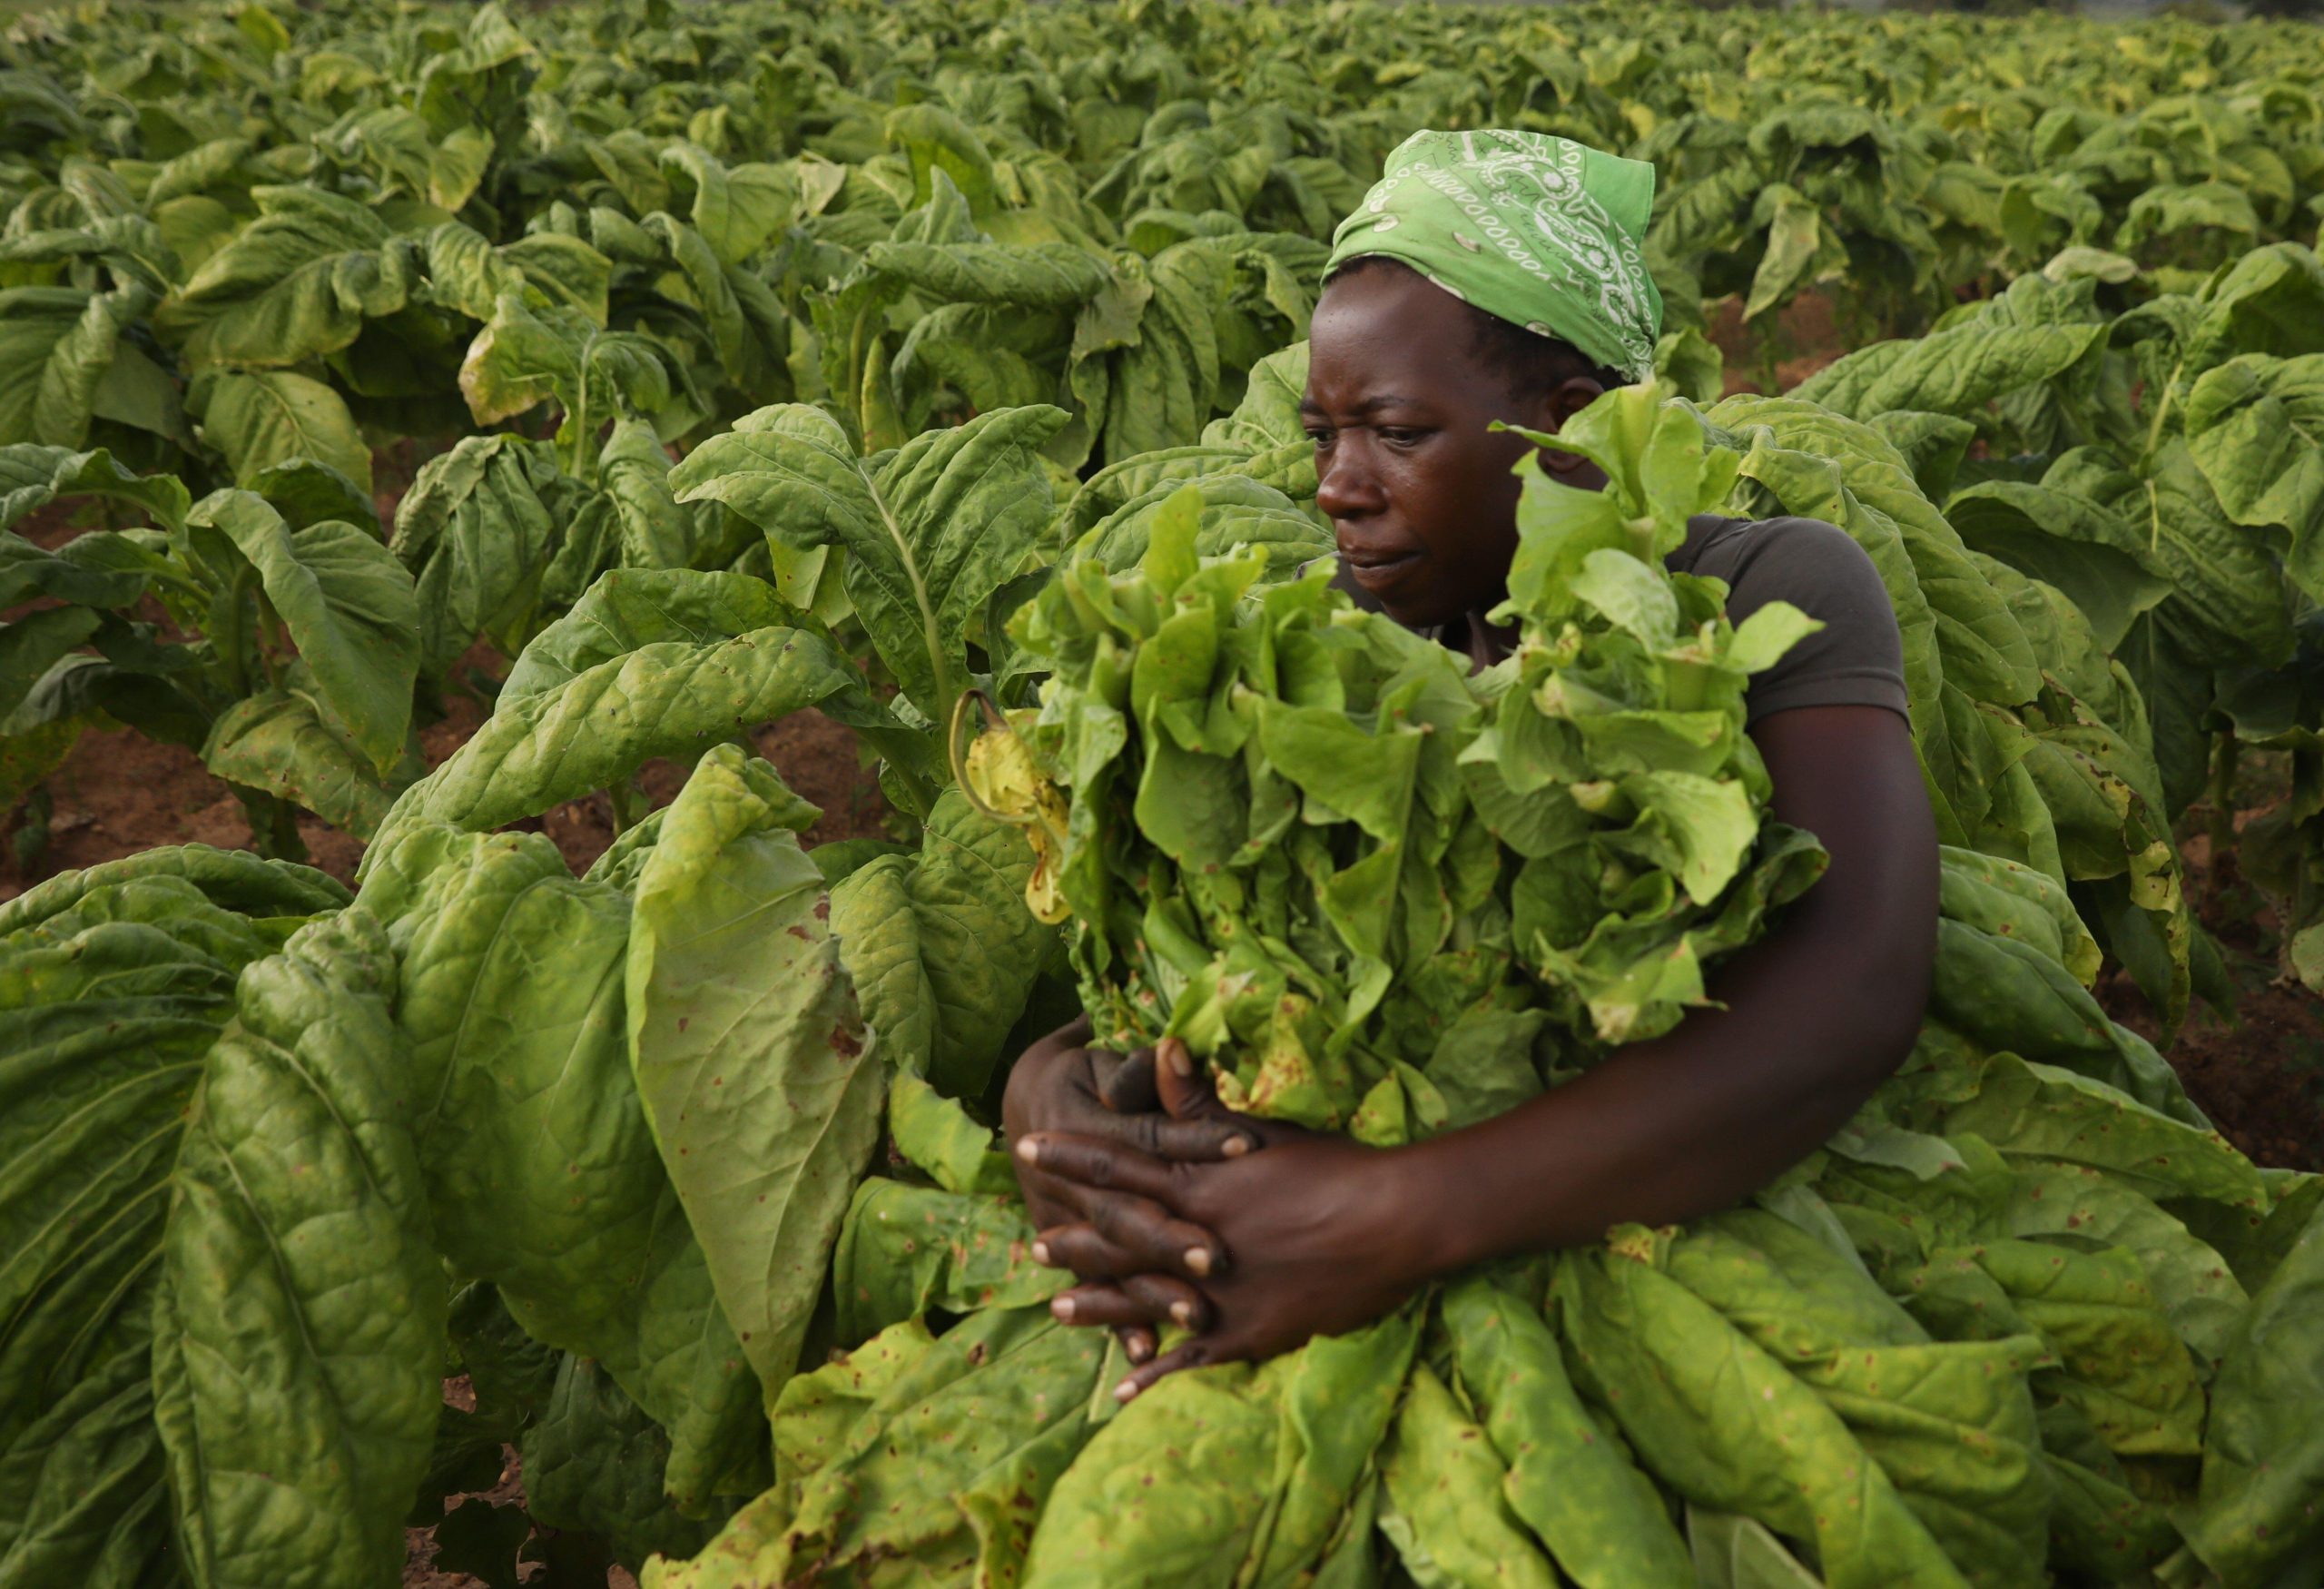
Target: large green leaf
pixel 632 607
pixel 1050 275
pixel 57 351
pixel 541 1166
pixel 348 607
pixel 917 1458
pixel 113 985
pixel 1580 1495
pixel 597 727
pixel 655 531
pixel 1237 1474
pixel 299 1334
pixel 1448 1509
pixel 2088 551
pixel 1157 391
pixel 2263 1456
pixel 32 476
pixel 260 419
pixel 532 350
pixel 298 282
pixel 595 1462
pixel 1723 1423
pixel 905 1250
pixel 279 741
pixel 2255 426
pixel 755 1070
pixel 478 529
pixel 2030 336
pixel 930 531
pixel 941 948
pixel 1951 1423
pixel 736 209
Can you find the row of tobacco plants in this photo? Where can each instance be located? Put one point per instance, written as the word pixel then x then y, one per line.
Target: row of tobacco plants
pixel 874 360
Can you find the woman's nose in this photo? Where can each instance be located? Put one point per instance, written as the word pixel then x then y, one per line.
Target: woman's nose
pixel 1346 486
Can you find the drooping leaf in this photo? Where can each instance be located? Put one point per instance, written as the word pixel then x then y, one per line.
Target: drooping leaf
pixel 940 946
pixel 748 1049
pixel 298 1278
pixel 347 602
pixel 260 419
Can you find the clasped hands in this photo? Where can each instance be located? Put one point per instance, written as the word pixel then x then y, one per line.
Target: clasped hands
pixel 1168 1207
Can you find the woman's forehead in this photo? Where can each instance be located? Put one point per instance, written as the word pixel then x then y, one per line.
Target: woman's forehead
pixel 1389 331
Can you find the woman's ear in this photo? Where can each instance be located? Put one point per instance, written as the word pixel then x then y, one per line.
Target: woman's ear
pixel 1559 404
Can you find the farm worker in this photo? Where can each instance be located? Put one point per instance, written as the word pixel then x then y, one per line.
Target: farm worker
pixel 1499 275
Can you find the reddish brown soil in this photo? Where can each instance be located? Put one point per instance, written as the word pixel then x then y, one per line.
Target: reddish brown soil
pixel 1801 336
pixel 2261 1079
pixel 119 793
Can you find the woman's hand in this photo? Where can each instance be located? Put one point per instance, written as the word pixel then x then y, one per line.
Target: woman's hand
pixel 1314 1235
pixel 1061 1084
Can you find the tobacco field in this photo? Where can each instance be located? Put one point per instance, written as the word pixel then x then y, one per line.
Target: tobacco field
pixel 430 419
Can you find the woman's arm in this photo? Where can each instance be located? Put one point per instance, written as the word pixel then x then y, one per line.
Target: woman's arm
pixel 1317 1235
pixel 1819 1013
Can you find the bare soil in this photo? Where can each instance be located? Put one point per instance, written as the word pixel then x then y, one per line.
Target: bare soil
pixel 119 793
pixel 1797 340
pixel 2260 1076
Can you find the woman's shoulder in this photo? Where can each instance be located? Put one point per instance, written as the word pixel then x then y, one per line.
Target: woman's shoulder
pixel 1856 657
pixel 1729 549
pixel 1814 566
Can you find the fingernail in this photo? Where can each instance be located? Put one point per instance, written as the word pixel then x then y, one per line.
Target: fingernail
pixel 1062 1307
pixel 1137 1348
pixel 1042 1254
pixel 1127 1391
pixel 1234 1147
pixel 1029 1150
pixel 1184 1312
pixel 1198 1259
pixel 1174 1054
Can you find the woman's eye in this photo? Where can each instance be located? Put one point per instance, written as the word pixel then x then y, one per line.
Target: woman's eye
pixel 1320 437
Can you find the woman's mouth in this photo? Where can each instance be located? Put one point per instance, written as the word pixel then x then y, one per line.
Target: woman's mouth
pixel 1379 571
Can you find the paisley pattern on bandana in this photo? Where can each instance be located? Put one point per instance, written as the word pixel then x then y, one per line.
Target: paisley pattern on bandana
pixel 1540 231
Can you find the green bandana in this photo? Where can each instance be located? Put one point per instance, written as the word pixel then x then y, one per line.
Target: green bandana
pixel 1540 231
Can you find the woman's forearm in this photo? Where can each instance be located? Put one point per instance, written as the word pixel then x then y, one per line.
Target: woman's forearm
pixel 1666 1131
pixel 1818 1014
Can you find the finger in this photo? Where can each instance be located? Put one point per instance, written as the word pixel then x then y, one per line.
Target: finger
pixel 1190 1095
pixel 1106 1303
pixel 1047 1201
pixel 1197 1353
pixel 1096 1302
pixel 1124 1081
pixel 1147 1230
pixel 1088 1255
pixel 1138 1343
pixel 1141 1299
pixel 1183 1087
pixel 1189 1141
pixel 1168 1297
pixel 1096 1162
pixel 1093 1253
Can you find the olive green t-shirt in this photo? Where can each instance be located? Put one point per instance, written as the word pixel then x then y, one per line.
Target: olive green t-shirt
pixel 1855 660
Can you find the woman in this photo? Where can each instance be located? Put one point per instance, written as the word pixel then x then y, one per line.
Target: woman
pixel 1497 275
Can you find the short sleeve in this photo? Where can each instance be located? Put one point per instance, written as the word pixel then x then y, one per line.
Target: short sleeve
pixel 1857 657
